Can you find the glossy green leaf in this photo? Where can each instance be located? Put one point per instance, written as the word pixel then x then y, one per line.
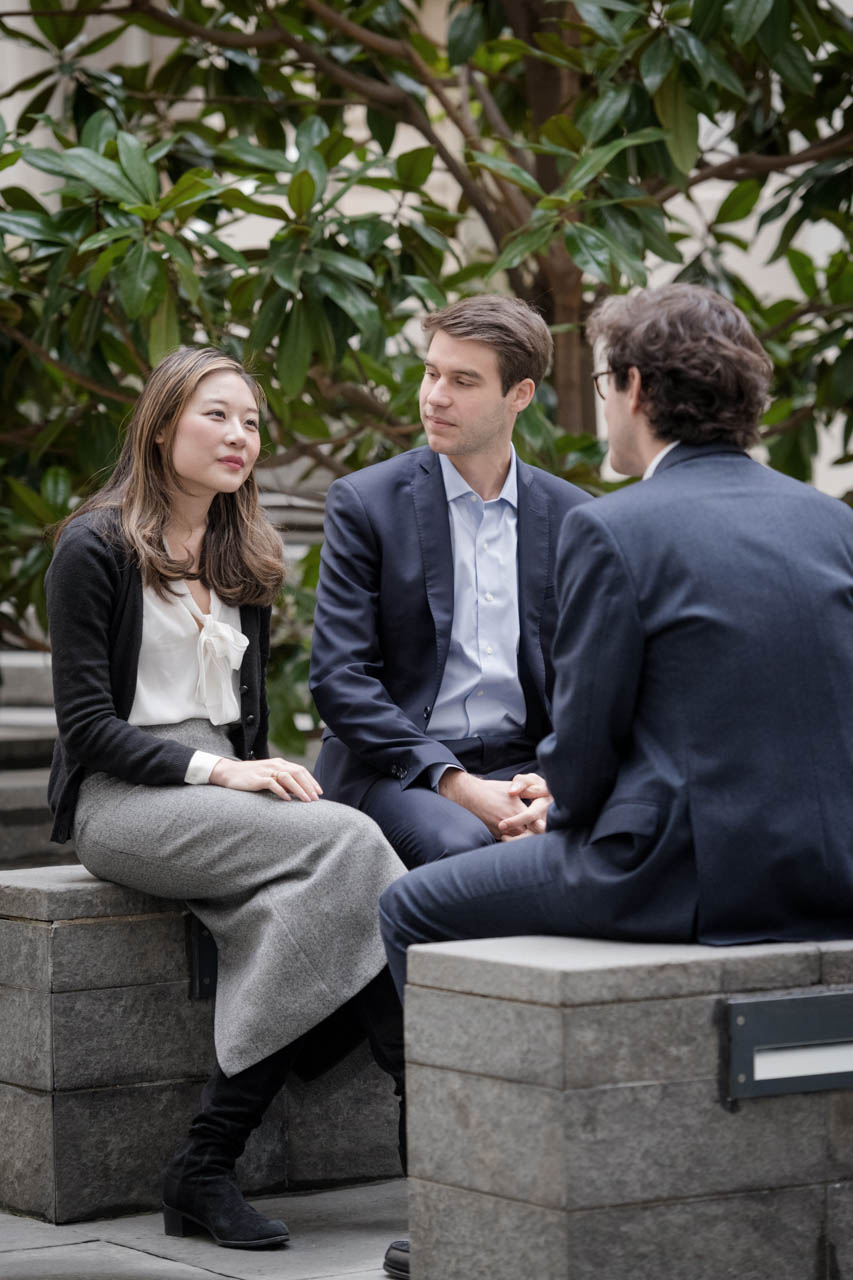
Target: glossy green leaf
pixel 511 172
pixel 141 280
pixel 107 236
pixel 606 112
pixel 344 264
pixel 597 160
pixel 382 128
pixel 104 176
pixel 467 31
pixel 794 68
pixel 104 264
pixel 657 61
pixel 705 17
pixel 300 193
pixel 681 121
pixel 804 271
pixel 351 300
pixel 414 167
pixel 740 201
pixel 31 501
pixel 295 348
pixel 746 17
pixel 164 334
pixel 56 488
pixel 521 246
pixel 138 168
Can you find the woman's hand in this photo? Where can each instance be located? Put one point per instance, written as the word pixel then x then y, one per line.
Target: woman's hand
pixel 283 778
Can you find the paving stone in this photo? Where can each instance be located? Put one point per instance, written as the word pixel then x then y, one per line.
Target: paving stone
pixel 501 1038
pixel 470 1131
pixel 132 1034
pixel 26 1170
pixel 771 1235
pixel 572 971
pixel 71 893
pixel 343 1126
pixel 96 1261
pixel 342 1232
pixel 119 952
pixel 27 1233
pixel 839 1209
pixel 465 1235
pixel 639 1143
pixel 643 1040
pixel 26 1047
pixel 25 954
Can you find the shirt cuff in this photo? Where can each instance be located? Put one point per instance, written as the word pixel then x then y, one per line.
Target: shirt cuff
pixel 435 772
pixel 200 768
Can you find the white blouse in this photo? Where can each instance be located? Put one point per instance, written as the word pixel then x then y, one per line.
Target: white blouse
pixel 189 666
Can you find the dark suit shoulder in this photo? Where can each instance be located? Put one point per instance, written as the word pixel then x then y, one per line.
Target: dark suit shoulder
pixel 562 492
pixel 382 477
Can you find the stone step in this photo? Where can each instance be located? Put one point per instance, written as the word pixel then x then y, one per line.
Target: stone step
pixel 25 822
pixel 25 679
pixel 27 735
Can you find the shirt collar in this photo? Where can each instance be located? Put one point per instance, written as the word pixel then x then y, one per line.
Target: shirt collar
pixel 455 486
pixel 658 458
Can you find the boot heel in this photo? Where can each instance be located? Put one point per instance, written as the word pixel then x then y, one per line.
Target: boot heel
pixel 175 1224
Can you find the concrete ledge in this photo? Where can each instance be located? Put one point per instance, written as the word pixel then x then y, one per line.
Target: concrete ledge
pixel 568 1115
pixel 102 1054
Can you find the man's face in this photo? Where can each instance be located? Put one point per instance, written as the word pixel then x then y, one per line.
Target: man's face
pixel 622 426
pixel 463 408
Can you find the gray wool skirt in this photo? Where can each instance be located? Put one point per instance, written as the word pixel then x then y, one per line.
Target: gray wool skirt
pixel 288 889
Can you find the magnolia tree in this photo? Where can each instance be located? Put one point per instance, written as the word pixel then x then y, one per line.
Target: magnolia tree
pixel 224 193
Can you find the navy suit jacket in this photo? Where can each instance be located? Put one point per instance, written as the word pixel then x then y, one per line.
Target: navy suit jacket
pixel 702 757
pixel 385 608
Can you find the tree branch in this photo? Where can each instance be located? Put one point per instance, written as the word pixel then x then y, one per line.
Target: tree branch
pixel 501 129
pixel 795 421
pixel 80 378
pixel 751 166
pixel 806 309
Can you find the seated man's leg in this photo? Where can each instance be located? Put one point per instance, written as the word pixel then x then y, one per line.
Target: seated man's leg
pixel 512 888
pixel 420 824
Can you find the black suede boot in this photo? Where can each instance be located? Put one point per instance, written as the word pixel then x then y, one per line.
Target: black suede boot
pixel 199 1187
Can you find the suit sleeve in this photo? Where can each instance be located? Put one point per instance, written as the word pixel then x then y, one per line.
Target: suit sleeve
pixel 346 657
pixel 82 588
pixel 598 659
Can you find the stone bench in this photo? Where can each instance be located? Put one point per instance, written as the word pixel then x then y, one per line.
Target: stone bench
pixel 102 1053
pixel 571 1115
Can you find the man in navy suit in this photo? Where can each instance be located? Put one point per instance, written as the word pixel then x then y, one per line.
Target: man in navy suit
pixel 431 660
pixel 703 705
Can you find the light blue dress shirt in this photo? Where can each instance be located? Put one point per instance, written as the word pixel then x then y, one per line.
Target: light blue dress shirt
pixel 480 691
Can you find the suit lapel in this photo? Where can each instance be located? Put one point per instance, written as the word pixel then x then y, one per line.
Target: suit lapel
pixel 433 521
pixel 534 567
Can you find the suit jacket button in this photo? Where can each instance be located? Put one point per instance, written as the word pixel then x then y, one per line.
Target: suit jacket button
pixel 250 719
pixel 250 756
pixel 244 688
pixel 427 712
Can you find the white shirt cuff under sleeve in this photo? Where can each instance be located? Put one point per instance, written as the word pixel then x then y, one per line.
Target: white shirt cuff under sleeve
pixel 200 768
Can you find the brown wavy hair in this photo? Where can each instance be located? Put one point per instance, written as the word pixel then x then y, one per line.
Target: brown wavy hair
pixel 704 374
pixel 241 554
pixel 518 335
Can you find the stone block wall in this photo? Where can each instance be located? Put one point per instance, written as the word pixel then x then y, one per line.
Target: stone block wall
pixel 102 1055
pixel 569 1119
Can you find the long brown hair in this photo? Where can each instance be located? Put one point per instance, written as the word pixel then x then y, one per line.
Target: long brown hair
pixel 241 555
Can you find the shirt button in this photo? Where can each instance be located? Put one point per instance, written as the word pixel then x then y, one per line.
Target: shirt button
pixel 489 649
pixel 489 595
pixel 479 693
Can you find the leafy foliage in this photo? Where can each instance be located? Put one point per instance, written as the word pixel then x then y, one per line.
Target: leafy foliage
pixel 207 197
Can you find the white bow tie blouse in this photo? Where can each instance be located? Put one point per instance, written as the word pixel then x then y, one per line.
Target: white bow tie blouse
pixel 189 665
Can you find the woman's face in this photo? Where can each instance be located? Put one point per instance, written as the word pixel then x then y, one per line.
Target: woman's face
pixel 217 437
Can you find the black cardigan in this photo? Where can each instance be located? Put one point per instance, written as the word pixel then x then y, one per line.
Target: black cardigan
pixel 94 603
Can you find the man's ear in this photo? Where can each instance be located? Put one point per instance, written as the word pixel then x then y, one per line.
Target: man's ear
pixel 521 394
pixel 634 388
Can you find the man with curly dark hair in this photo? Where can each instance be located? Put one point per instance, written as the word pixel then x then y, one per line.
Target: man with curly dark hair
pixel 703 705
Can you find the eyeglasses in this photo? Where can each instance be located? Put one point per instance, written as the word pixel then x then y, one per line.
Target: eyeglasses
pixel 596 378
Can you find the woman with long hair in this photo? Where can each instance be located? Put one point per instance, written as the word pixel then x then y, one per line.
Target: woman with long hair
pixel 159 598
